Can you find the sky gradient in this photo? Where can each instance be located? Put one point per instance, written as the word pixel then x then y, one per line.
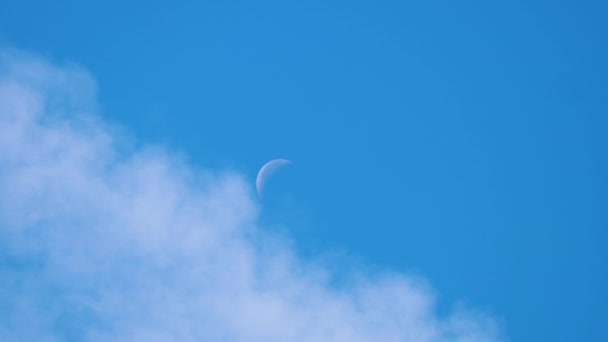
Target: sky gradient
pixel 461 143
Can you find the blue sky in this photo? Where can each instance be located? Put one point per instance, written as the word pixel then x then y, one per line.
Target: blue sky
pixel 460 142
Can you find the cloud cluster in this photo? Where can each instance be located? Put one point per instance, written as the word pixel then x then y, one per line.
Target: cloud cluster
pixel 102 241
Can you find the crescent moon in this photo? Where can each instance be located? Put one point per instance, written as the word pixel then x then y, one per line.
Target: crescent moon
pixel 266 171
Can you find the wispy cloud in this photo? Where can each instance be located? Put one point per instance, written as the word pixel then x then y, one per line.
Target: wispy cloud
pixel 101 242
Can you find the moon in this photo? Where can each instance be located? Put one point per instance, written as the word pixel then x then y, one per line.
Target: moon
pixel 266 171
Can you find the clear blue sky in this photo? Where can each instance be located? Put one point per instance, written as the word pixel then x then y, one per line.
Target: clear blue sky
pixel 463 141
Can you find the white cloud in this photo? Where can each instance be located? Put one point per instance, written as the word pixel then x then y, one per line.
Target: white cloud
pixel 102 243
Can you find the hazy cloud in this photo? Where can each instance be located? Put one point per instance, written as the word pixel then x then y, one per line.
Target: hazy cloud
pixel 100 241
